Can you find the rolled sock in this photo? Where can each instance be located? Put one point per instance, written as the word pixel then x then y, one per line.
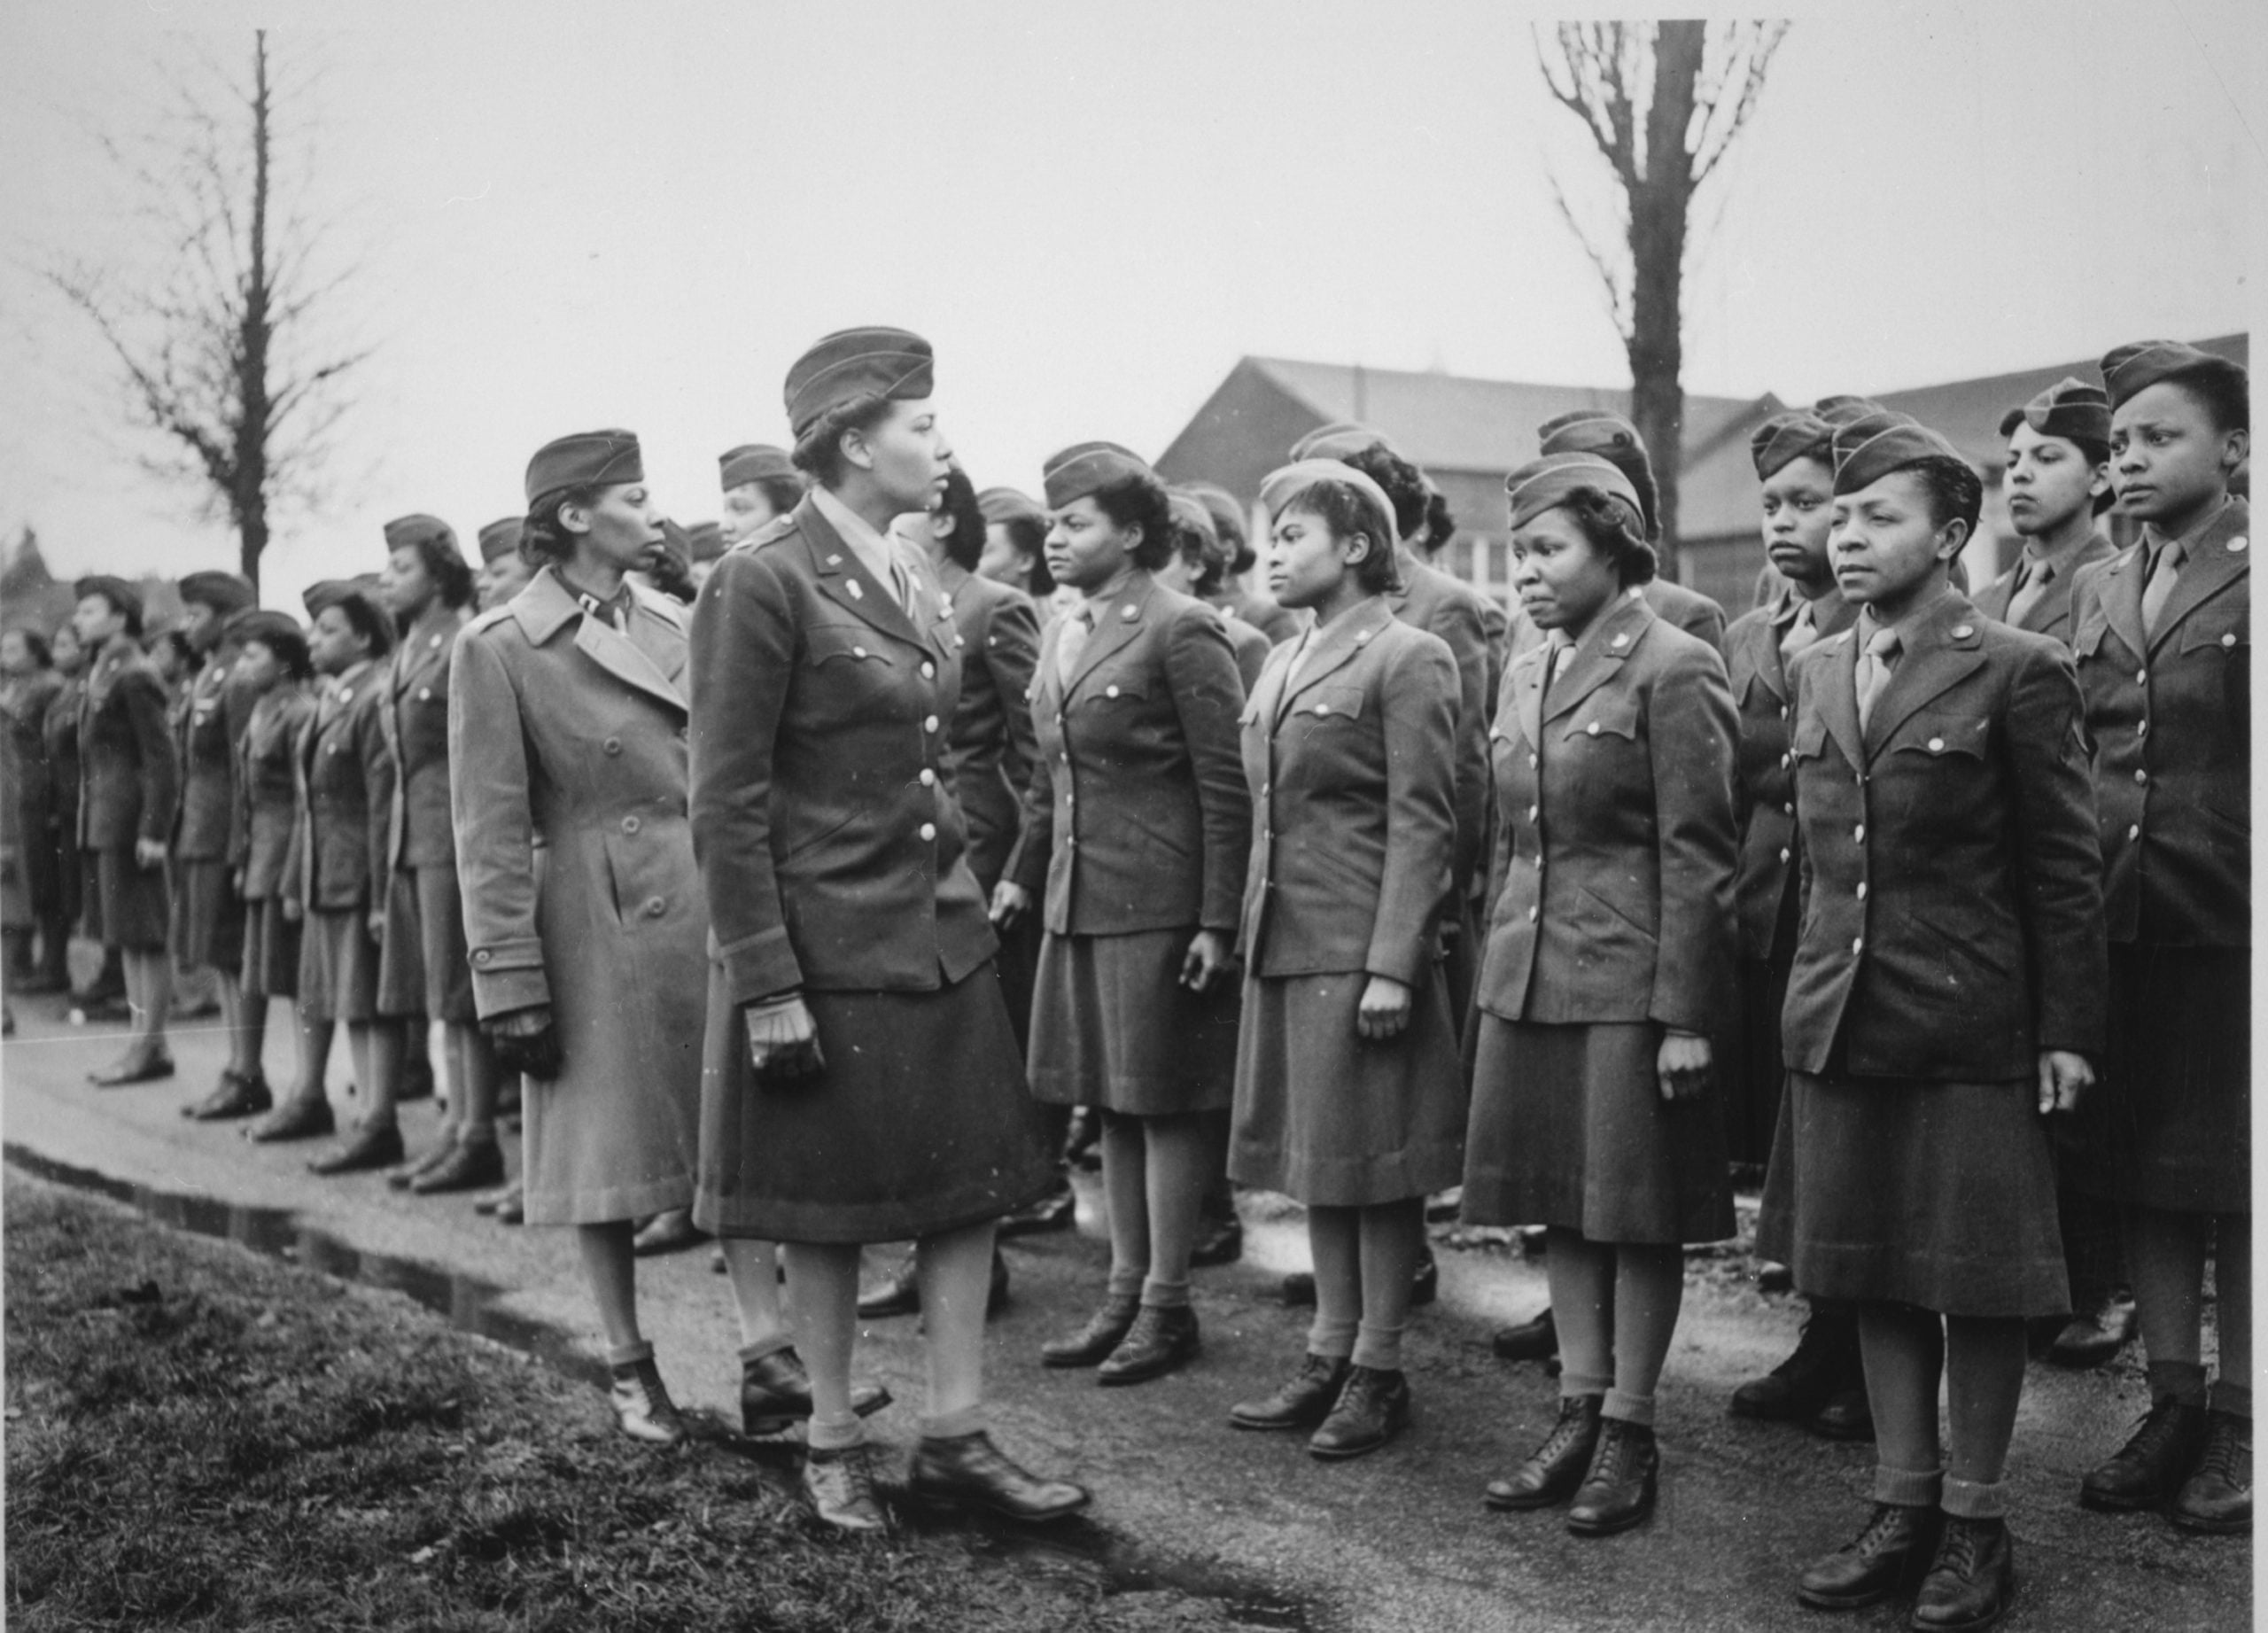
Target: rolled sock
pixel 2232 1398
pixel 762 1347
pixel 835 1434
pixel 1637 1409
pixel 1334 1340
pixel 1379 1348
pixel 953 1425
pixel 2184 1380
pixel 1976 1499
pixel 1125 1283
pixel 1165 1295
pixel 1908 1488
pixel 630 1355
pixel 1572 1384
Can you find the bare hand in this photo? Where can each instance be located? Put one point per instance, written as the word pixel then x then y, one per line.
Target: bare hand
pixel 1384 1011
pixel 782 1039
pixel 1685 1064
pixel 1010 902
pixel 525 1041
pixel 1207 963
pixel 149 853
pixel 377 924
pixel 2064 1078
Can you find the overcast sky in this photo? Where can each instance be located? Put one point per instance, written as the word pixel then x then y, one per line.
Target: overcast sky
pixel 577 214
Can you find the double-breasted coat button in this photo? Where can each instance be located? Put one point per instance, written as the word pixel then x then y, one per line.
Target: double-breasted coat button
pixel 2140 775
pixel 1790 807
pixel 2142 677
pixel 1533 762
pixel 1857 942
pixel 928 830
pixel 2134 831
pixel 483 956
pixel 2142 730
pixel 1531 915
pixel 1862 889
pixel 656 906
pixel 1859 833
pixel 928 777
pixel 613 745
pixel 1784 853
pixel 1784 711
pixel 2237 545
pixel 631 825
pixel 425 694
pixel 1786 760
pixel 930 724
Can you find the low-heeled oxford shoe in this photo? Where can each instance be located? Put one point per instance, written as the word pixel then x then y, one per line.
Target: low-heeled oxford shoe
pixel 2218 1497
pixel 1618 1492
pixel 2092 1336
pixel 1824 1363
pixel 643 1407
pixel 1161 1341
pixel 1304 1401
pixel 776 1391
pixel 1887 1557
pixel 369 1147
pixel 901 1294
pixel 1219 1242
pixel 1373 1407
pixel 1058 1211
pixel 468 1165
pixel 1092 1343
pixel 307 1118
pixel 1554 1469
pixel 1535 1338
pixel 2149 1469
pixel 968 1471
pixel 1847 1415
pixel 149 1069
pixel 1972 1578
pixel 239 1094
pixel 841 1487
pixel 428 1160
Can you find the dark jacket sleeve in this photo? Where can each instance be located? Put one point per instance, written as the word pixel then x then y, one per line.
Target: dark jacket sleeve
pixel 1208 697
pixel 1027 865
pixel 1463 628
pixel 1419 701
pixel 743 657
pixel 160 763
pixel 1691 728
pixel 2059 854
pixel 1012 651
pixel 379 773
pixel 494 820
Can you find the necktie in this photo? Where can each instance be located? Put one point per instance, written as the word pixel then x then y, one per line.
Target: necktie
pixel 2032 579
pixel 1874 671
pixel 2165 570
pixel 1078 626
pixel 1802 631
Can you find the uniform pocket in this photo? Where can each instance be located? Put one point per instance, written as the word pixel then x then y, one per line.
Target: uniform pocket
pixel 828 643
pixel 1330 703
pixel 1605 714
pixel 1940 737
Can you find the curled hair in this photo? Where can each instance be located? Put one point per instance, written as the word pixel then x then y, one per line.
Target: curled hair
pixel 1440 525
pixel 1198 542
pixel 1956 493
pixel 1347 510
pixel 1405 484
pixel 2222 389
pixel 819 451
pixel 291 651
pixel 1607 522
pixel 782 493
pixel 445 566
pixel 368 620
pixel 131 613
pixel 1029 535
pixel 964 542
pixel 43 656
pixel 543 537
pixel 177 640
pixel 1139 500
pixel 2097 454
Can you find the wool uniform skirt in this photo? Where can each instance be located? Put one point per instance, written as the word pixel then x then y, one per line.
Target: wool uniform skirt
pixel 338 965
pixel 920 1122
pixel 1112 1026
pixel 1755 1075
pixel 208 916
pixel 1333 1120
pixel 425 968
pixel 1941 1196
pixel 1569 1128
pixel 128 904
pixel 271 961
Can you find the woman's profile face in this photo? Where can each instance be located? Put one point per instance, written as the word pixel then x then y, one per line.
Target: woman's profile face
pixel 1004 561
pixel 907 456
pixel 66 651
pixel 747 508
pixel 623 524
pixel 257 668
pixel 1307 561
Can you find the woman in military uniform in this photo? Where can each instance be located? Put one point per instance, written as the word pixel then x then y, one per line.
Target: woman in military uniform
pixel 863 1081
pixel 31 689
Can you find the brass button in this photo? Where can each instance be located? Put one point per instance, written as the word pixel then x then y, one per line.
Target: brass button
pixel 930 724
pixel 2134 831
pixel 1593 729
pixel 613 745
pixel 656 906
pixel 631 825
pixel 1857 943
pixel 928 830
pixel 2143 729
pixel 857 652
pixel 1110 691
pixel 2142 677
pixel 2140 775
pixel 1531 915
pixel 483 956
pixel 1859 833
pixel 928 671
pixel 928 778
pixel 1862 889
pixel 1937 745
pixel 1784 853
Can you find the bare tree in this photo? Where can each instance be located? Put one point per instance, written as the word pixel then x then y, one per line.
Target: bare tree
pixel 212 323
pixel 1663 102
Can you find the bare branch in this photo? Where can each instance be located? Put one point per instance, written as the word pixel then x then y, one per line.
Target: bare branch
pixel 1610 274
pixel 1729 98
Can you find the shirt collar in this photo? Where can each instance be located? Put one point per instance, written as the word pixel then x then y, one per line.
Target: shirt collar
pixel 342 684
pixel 2154 541
pixel 1915 617
pixel 869 546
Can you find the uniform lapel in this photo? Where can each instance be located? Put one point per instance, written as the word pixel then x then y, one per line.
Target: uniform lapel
pixel 843 579
pixel 2217 557
pixel 1600 655
pixel 622 658
pixel 1527 692
pixel 1942 650
pixel 1120 621
pixel 1335 648
pixel 2121 599
pixel 1835 689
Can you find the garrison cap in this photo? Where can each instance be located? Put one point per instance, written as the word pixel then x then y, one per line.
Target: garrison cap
pixel 2072 409
pixel 1842 407
pixel 225 593
pixel 1589 431
pixel 1083 467
pixel 1341 440
pixel 585 459
pixel 278 631
pixel 362 608
pixel 501 537
pixel 1228 521
pixel 1546 483
pixel 1787 437
pixel 754 462
pixel 858 363
pixel 705 541
pixel 1002 505
pixel 122 596
pixel 1189 511
pixel 1874 445
pixel 418 528
pixel 2130 369
pixel 1281 487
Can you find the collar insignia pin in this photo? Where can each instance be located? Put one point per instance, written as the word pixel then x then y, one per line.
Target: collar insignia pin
pixel 856 593
pixel 1127 613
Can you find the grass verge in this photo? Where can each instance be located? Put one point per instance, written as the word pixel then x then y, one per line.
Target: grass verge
pixel 200 1438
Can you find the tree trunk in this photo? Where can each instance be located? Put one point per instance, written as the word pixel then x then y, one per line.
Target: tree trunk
pixel 1657 210
pixel 249 500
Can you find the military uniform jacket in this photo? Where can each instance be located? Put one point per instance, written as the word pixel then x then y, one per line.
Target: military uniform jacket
pixel 831 841
pixel 1278 624
pixel 1763 794
pixel 2051 613
pixel 1474 628
pixel 990 741
pixel 208 723
pixel 60 727
pixel 1351 769
pixel 1136 816
pixel 346 774
pixel 26 704
pixel 265 789
pixel 1952 901
pixel 129 772
pixel 415 717
pixel 2169 721
pixel 1612 876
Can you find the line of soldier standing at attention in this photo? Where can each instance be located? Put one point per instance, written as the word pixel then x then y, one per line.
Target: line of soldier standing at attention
pixel 804 912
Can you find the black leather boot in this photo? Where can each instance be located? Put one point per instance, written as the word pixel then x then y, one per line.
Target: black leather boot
pixel 968 1471
pixel 1304 1400
pixel 1161 1341
pixel 1824 1361
pixel 776 1392
pixel 1556 1468
pixel 1972 1579
pixel 1618 1492
pixel 1373 1407
pixel 1887 1557
pixel 2150 1467
pixel 1535 1338
pixel 2218 1497
pixel 1092 1343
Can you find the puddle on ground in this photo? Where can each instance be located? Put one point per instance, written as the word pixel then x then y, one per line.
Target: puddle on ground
pixel 1116 1563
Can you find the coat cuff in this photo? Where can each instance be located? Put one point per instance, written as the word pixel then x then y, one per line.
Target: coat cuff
pixel 760 966
pixel 509 976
